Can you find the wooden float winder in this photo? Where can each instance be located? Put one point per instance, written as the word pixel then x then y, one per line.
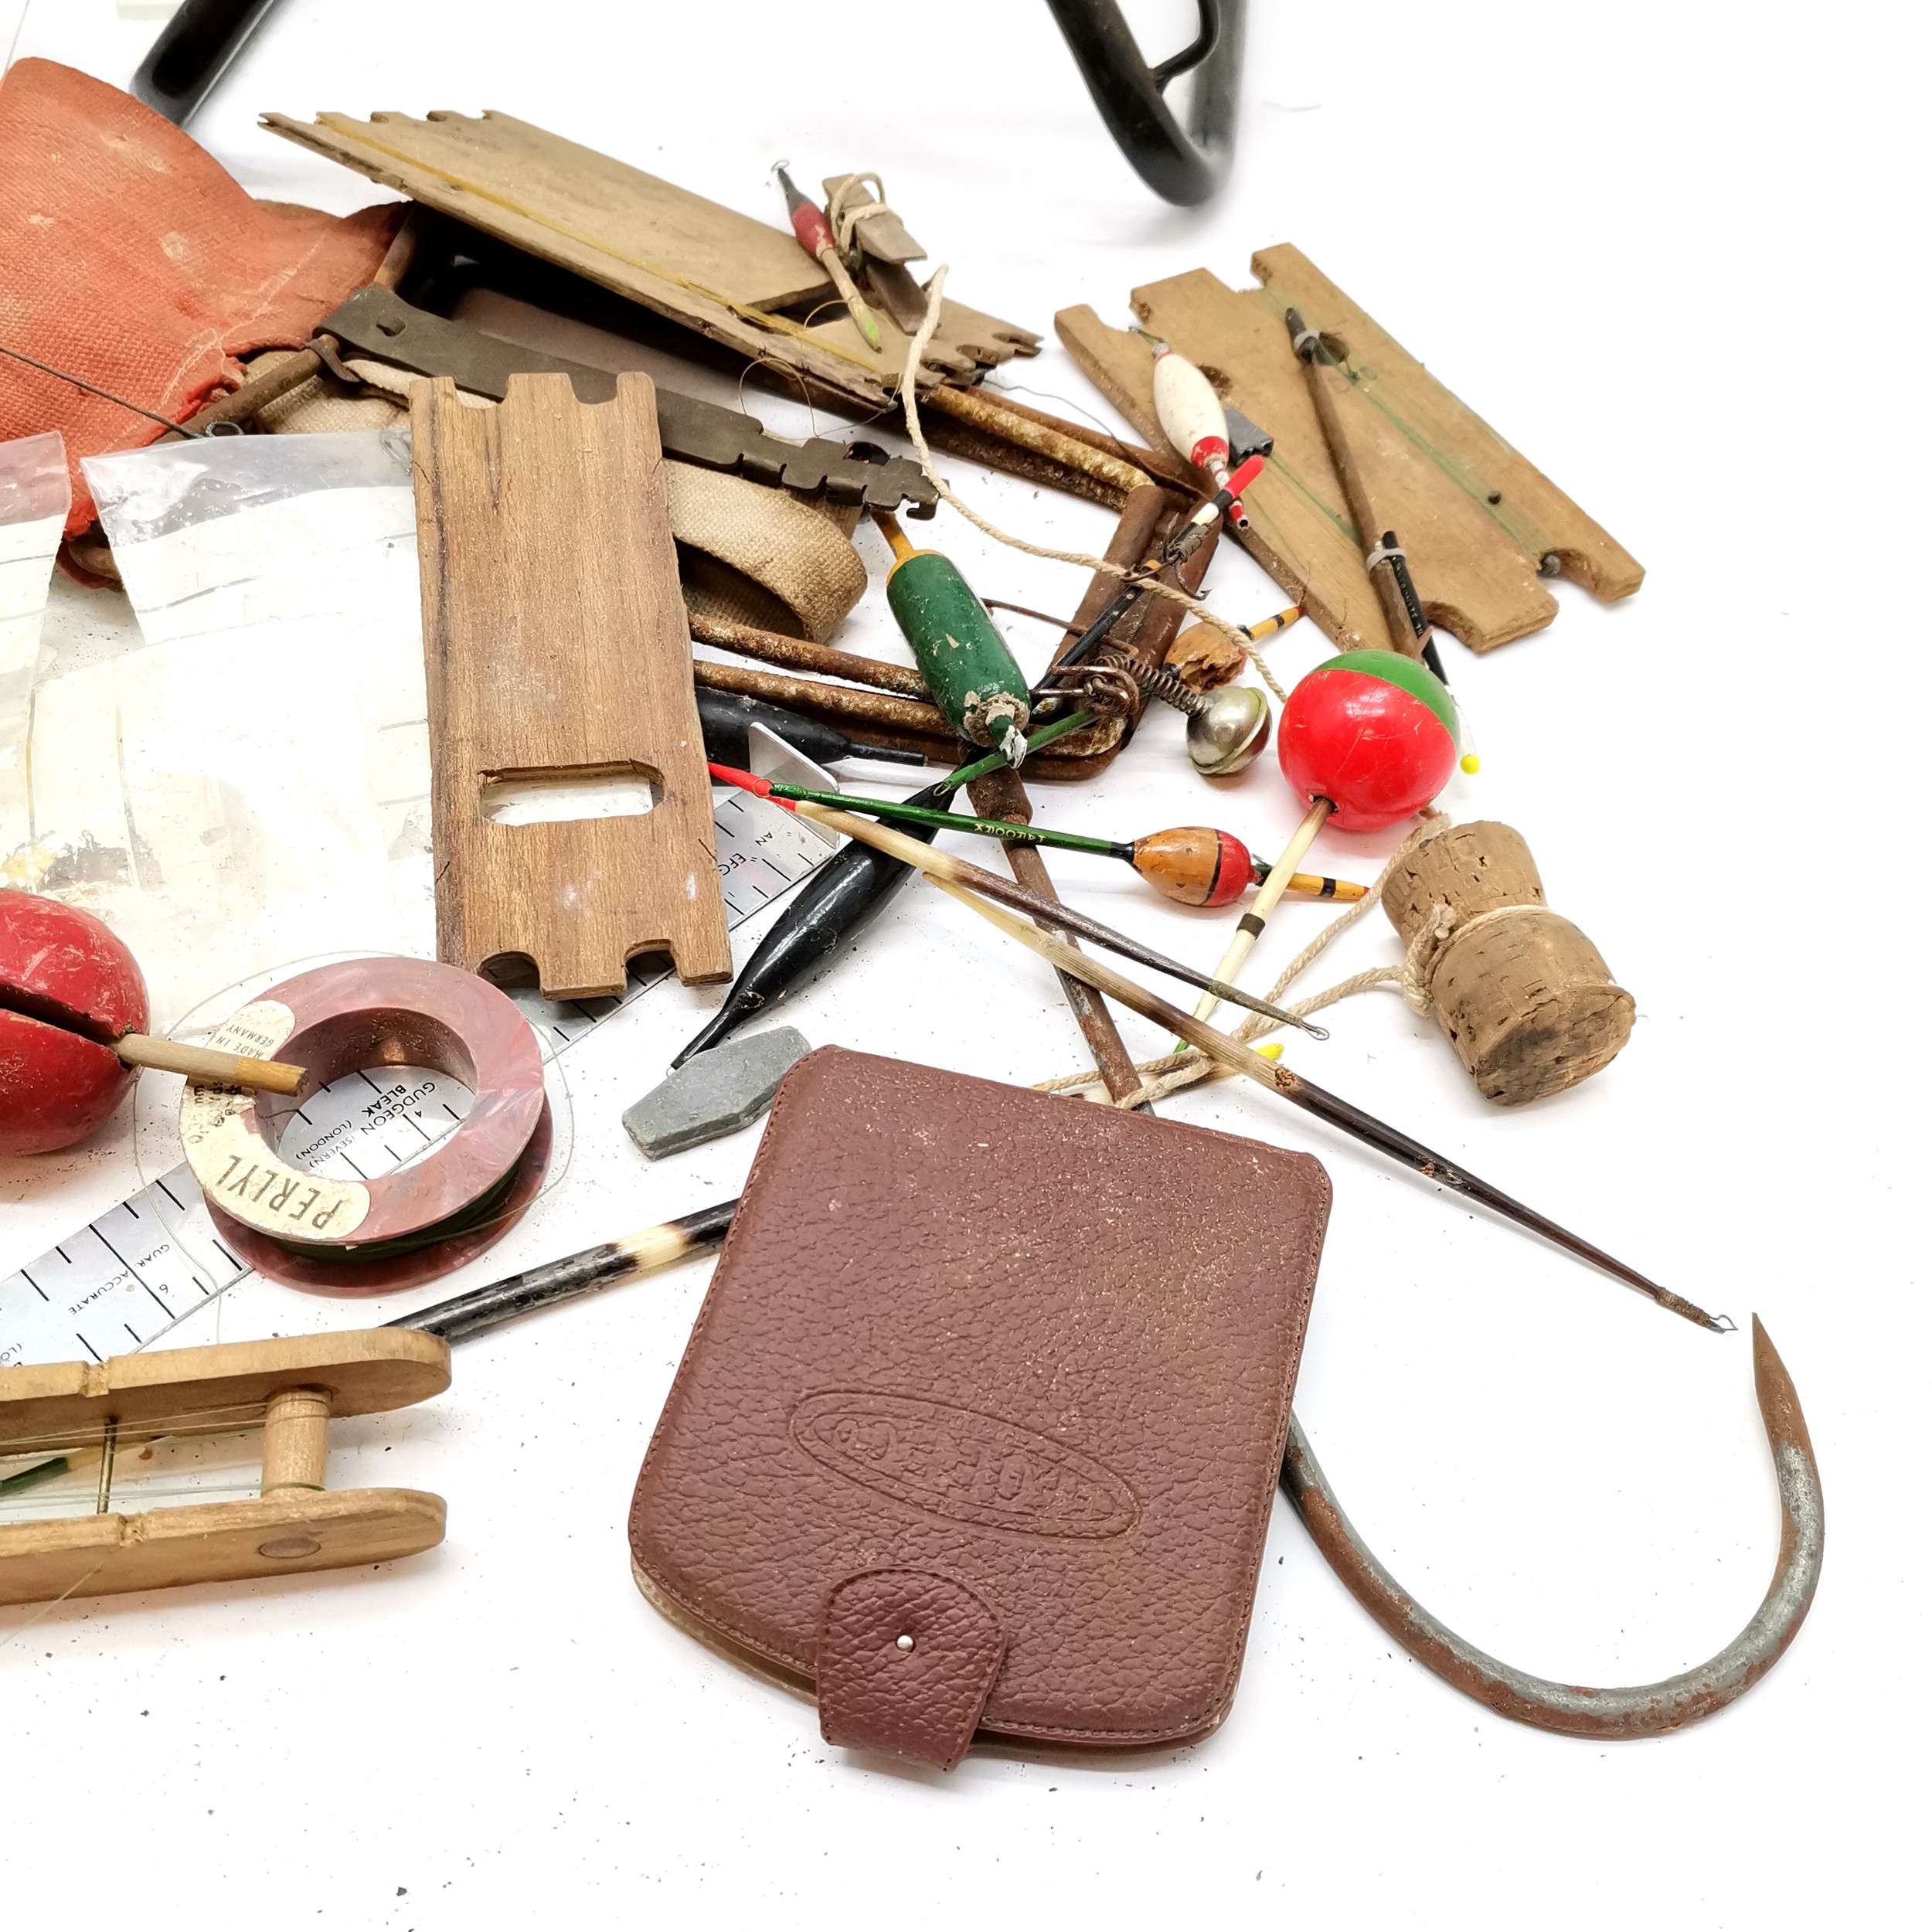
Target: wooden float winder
pixel 291 1386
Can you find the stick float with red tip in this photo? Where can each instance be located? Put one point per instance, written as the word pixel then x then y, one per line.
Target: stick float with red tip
pixel 809 224
pixel 1193 419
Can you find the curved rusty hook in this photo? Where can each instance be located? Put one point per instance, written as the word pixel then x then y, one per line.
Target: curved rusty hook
pixel 1637 1710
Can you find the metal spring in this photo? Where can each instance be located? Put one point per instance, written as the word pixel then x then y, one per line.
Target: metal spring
pixel 1163 683
pixel 1106 689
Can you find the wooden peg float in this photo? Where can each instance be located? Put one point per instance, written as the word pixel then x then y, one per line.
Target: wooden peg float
pixel 207 1066
pixel 1524 998
pixel 292 1386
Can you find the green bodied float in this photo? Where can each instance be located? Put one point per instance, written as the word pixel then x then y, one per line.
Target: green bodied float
pixel 963 659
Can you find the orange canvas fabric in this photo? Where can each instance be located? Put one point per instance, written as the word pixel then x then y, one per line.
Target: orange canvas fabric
pixel 129 257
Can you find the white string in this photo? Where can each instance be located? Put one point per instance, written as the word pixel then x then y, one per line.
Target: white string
pixel 908 391
pixel 845 220
pixel 47 1610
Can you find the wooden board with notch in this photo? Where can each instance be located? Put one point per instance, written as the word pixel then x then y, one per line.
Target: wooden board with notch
pixel 1477 518
pixel 290 1387
pixel 554 643
pixel 705 266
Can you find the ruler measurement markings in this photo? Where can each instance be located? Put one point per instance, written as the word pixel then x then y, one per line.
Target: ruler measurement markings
pixel 335 1119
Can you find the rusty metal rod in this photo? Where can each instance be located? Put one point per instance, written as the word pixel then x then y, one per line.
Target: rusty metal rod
pixel 1001 794
pixel 1580 1710
pixel 1047 438
pixel 800 653
pixel 1182 477
pixel 917 727
pixel 290 374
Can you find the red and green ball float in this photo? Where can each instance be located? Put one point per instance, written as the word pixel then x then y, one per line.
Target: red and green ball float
pixel 1373 732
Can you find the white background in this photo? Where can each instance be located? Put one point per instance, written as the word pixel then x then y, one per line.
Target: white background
pixel 1671 253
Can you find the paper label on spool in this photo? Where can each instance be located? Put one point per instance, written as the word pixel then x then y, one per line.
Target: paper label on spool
pixel 235 1166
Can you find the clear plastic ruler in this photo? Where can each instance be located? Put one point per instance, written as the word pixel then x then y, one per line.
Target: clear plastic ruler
pixel 151 1261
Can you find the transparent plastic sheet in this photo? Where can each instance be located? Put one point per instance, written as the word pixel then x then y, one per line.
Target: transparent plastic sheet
pixel 33 506
pixel 253 785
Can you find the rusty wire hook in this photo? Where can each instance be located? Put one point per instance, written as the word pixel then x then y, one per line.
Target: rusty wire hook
pixel 1636 1710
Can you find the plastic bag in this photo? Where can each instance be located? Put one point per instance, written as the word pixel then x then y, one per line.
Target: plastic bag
pixel 252 786
pixel 33 507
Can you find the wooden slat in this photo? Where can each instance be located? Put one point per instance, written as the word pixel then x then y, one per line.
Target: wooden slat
pixel 1431 465
pixel 556 648
pixel 1443 430
pixel 105 1556
pixel 365 1370
pixel 692 259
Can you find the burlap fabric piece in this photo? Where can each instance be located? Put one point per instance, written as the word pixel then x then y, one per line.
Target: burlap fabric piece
pixel 128 256
pixel 751 554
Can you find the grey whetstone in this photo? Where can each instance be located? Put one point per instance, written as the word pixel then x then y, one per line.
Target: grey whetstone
pixel 716 1093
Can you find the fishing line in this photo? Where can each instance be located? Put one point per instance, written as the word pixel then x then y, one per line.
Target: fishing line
pixel 106 395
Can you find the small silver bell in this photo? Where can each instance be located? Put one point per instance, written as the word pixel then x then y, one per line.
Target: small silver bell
pixel 1226 731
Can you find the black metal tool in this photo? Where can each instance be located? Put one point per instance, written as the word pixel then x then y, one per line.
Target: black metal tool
pixel 377 323
pixel 1187 166
pixel 726 719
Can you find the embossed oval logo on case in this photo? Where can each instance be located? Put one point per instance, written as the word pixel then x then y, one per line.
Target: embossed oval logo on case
pixel 956 1463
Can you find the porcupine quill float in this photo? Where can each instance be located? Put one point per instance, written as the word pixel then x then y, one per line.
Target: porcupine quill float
pixel 1192 865
pixel 815 234
pixel 1238 1059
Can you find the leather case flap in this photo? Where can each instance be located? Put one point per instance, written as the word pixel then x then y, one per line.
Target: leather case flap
pixel 1019 1365
pixel 906 1660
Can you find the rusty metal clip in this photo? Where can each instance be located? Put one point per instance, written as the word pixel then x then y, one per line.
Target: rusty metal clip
pixel 1636 1710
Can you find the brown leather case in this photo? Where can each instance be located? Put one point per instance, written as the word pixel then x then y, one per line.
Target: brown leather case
pixel 979 1426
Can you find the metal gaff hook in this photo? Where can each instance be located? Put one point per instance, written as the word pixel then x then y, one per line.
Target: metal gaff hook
pixel 1637 1710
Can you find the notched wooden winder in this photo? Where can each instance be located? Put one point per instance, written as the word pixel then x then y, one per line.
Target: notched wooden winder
pixel 291 1387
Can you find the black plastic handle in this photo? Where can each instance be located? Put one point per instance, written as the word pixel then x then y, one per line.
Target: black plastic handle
pixel 1187 166
pixel 192 51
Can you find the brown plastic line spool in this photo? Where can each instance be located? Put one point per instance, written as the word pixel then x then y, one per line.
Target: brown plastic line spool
pixel 1527 1000
pixel 368 1237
